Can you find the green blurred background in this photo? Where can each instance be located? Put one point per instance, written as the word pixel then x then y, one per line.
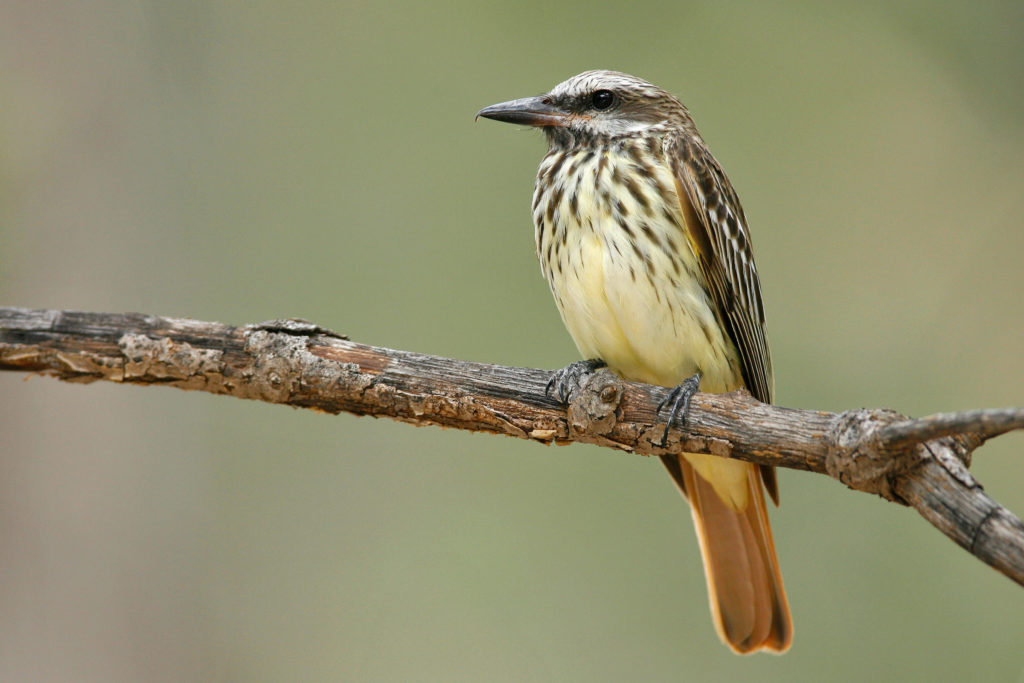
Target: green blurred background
pixel 239 162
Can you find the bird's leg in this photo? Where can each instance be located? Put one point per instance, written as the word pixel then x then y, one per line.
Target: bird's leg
pixel 563 382
pixel 679 397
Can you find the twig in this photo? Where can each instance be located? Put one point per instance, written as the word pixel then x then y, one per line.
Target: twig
pixel 921 463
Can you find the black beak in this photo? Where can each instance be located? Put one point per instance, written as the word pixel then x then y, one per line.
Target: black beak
pixel 531 111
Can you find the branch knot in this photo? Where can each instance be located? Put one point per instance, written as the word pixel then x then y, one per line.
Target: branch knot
pixel 862 459
pixel 592 409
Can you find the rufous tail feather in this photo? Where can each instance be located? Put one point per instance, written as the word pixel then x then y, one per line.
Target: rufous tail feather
pixel 748 601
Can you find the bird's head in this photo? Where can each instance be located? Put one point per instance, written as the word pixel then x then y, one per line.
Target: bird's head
pixel 596 107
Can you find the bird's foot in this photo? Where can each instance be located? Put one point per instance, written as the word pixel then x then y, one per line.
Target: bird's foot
pixel 679 398
pixel 567 380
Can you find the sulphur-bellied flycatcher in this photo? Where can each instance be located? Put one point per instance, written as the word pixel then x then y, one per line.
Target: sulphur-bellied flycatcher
pixel 644 244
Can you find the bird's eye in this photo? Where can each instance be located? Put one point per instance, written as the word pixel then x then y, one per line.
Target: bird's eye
pixel 602 99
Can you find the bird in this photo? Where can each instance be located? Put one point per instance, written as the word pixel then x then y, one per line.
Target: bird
pixel 646 249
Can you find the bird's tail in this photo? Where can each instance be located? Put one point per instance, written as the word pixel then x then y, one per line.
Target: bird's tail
pixel 748 601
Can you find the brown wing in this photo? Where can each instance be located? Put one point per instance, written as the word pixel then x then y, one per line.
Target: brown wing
pixel 718 232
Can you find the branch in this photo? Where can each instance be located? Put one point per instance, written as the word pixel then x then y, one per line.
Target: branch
pixel 921 463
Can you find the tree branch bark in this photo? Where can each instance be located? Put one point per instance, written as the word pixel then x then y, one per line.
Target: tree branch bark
pixel 917 462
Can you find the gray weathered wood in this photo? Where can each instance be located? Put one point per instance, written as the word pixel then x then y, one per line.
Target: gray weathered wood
pixel 922 463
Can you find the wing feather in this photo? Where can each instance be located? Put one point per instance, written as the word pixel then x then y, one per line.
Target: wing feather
pixel 718 232
pixel 719 236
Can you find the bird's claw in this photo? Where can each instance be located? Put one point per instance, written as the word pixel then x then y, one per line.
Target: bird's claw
pixel 679 397
pixel 568 379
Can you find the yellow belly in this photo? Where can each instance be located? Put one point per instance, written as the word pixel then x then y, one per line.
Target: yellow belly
pixel 630 299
